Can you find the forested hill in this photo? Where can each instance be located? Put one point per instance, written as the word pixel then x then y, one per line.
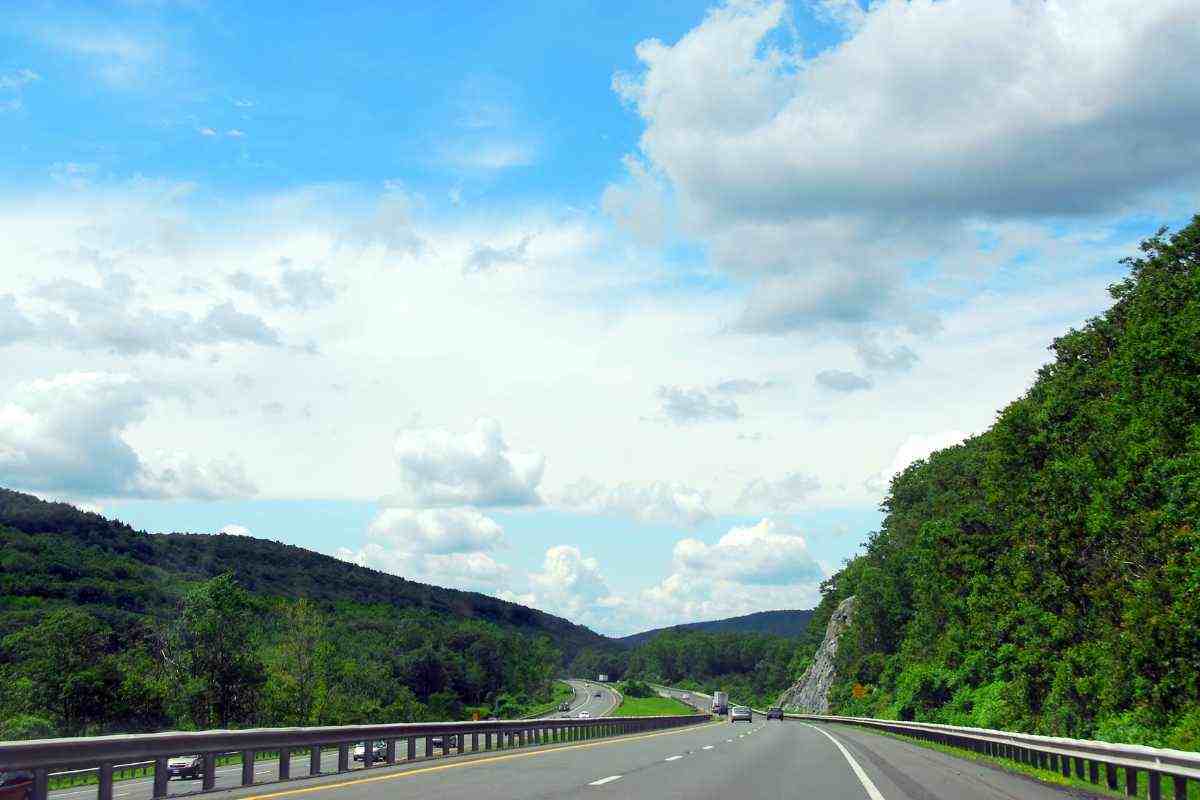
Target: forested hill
pixel 1045 575
pixel 84 558
pixel 780 623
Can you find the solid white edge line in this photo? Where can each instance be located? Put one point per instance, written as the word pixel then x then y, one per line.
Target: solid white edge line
pixel 603 781
pixel 867 783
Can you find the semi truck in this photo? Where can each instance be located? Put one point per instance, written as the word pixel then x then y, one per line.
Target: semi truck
pixel 720 704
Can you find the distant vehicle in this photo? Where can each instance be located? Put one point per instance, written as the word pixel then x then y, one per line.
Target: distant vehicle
pixel 445 742
pixel 565 707
pixel 741 712
pixel 775 712
pixel 597 694
pixel 185 767
pixel 16 784
pixel 584 715
pixel 603 677
pixel 379 751
pixel 720 703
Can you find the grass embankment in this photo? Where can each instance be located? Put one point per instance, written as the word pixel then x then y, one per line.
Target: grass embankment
pixel 1051 777
pixel 651 707
pixel 561 693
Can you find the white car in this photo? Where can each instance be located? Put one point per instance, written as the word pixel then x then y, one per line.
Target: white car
pixel 184 767
pixel 584 715
pixel 379 751
pixel 740 713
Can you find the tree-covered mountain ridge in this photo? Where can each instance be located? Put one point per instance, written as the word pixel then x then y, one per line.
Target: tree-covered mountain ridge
pixel 781 623
pixel 89 560
pixel 1045 575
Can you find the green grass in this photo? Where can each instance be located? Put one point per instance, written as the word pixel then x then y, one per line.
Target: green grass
pixel 1047 776
pixel 651 707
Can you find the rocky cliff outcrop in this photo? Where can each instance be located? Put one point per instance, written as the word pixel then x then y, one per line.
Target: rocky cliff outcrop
pixel 810 694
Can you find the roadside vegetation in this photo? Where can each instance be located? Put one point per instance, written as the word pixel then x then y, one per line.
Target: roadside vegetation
pixel 1044 575
pixel 651 706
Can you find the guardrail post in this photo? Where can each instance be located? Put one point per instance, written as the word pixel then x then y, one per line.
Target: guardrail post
pixel 285 763
pixel 429 746
pixel 1093 771
pixel 487 740
pixel 1079 767
pixel 391 751
pixel 411 751
pixel 1110 776
pixel 1180 787
pixel 210 772
pixel 368 753
pixel 1131 781
pixel 105 790
pixel 314 759
pixel 475 742
pixel 161 776
pixel 1154 782
pixel 41 784
pixel 343 756
pixel 247 767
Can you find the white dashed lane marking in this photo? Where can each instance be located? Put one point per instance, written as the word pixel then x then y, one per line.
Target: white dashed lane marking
pixel 603 781
pixel 672 758
pixel 707 747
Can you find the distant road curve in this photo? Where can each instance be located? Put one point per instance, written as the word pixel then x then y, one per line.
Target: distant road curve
pixel 586 700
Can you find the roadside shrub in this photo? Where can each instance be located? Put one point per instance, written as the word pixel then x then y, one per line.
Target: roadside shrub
pixel 636 688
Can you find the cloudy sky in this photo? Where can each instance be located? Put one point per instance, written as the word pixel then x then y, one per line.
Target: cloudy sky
pixel 626 313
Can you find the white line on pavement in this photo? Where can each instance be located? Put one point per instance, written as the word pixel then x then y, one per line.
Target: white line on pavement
pixel 603 781
pixel 872 790
pixel 672 758
pixel 707 747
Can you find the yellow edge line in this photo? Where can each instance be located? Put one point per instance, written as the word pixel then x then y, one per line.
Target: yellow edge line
pixel 489 760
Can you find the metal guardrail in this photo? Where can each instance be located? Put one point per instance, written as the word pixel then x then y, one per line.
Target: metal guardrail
pixel 1086 758
pixel 104 754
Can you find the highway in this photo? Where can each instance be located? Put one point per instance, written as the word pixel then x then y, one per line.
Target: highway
pixel 717 760
pixel 268 769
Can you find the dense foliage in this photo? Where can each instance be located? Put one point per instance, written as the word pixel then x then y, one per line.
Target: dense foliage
pixel 781 623
pixel 1045 575
pixel 106 629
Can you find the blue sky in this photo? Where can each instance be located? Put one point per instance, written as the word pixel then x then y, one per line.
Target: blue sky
pixel 625 311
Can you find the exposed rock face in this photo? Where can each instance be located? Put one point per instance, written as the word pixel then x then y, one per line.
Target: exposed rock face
pixel 810 694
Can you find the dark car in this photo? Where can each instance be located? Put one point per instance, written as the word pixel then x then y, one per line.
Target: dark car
pixel 597 694
pixel 185 767
pixel 775 712
pixel 16 784
pixel 449 742
pixel 565 707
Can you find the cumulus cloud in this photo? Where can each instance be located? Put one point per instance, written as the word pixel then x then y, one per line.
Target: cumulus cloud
pixel 301 289
pixel 841 381
pixel 233 529
pixel 657 501
pixel 438 467
pixel 16 79
pixel 485 257
pixel 572 585
pixel 445 546
pixel 783 496
pixel 875 357
pixel 824 179
pixel 915 446
pixel 120 59
pixel 766 565
pixel 66 434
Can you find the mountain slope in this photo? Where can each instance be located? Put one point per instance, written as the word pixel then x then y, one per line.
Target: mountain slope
pixel 780 623
pixel 1045 575
pixel 84 558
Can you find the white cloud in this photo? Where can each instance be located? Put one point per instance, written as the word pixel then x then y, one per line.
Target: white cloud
pixel 119 59
pixel 764 566
pixel 447 547
pixel 17 79
pixel 233 529
pixel 485 257
pixel 571 585
pixel 67 434
pixel 301 289
pixel 477 467
pixel 684 405
pixel 234 133
pixel 784 496
pixel 206 132
pixel 841 381
pixel 655 501
pixel 914 448
pixel 823 180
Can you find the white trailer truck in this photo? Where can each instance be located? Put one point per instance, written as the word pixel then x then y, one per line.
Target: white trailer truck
pixel 720 704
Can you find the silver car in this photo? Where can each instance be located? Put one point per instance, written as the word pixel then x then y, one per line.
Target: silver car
pixel 738 713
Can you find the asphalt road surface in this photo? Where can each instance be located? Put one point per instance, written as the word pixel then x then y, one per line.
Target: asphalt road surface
pixel 268 770
pixel 787 759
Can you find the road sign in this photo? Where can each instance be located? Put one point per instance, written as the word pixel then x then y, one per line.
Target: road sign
pixel 859 691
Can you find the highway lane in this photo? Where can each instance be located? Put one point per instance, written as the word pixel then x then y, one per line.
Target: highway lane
pixel 716 760
pixel 586 700
pixel 267 770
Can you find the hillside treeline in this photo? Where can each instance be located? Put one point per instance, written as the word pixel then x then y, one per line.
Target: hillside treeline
pixel 1045 575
